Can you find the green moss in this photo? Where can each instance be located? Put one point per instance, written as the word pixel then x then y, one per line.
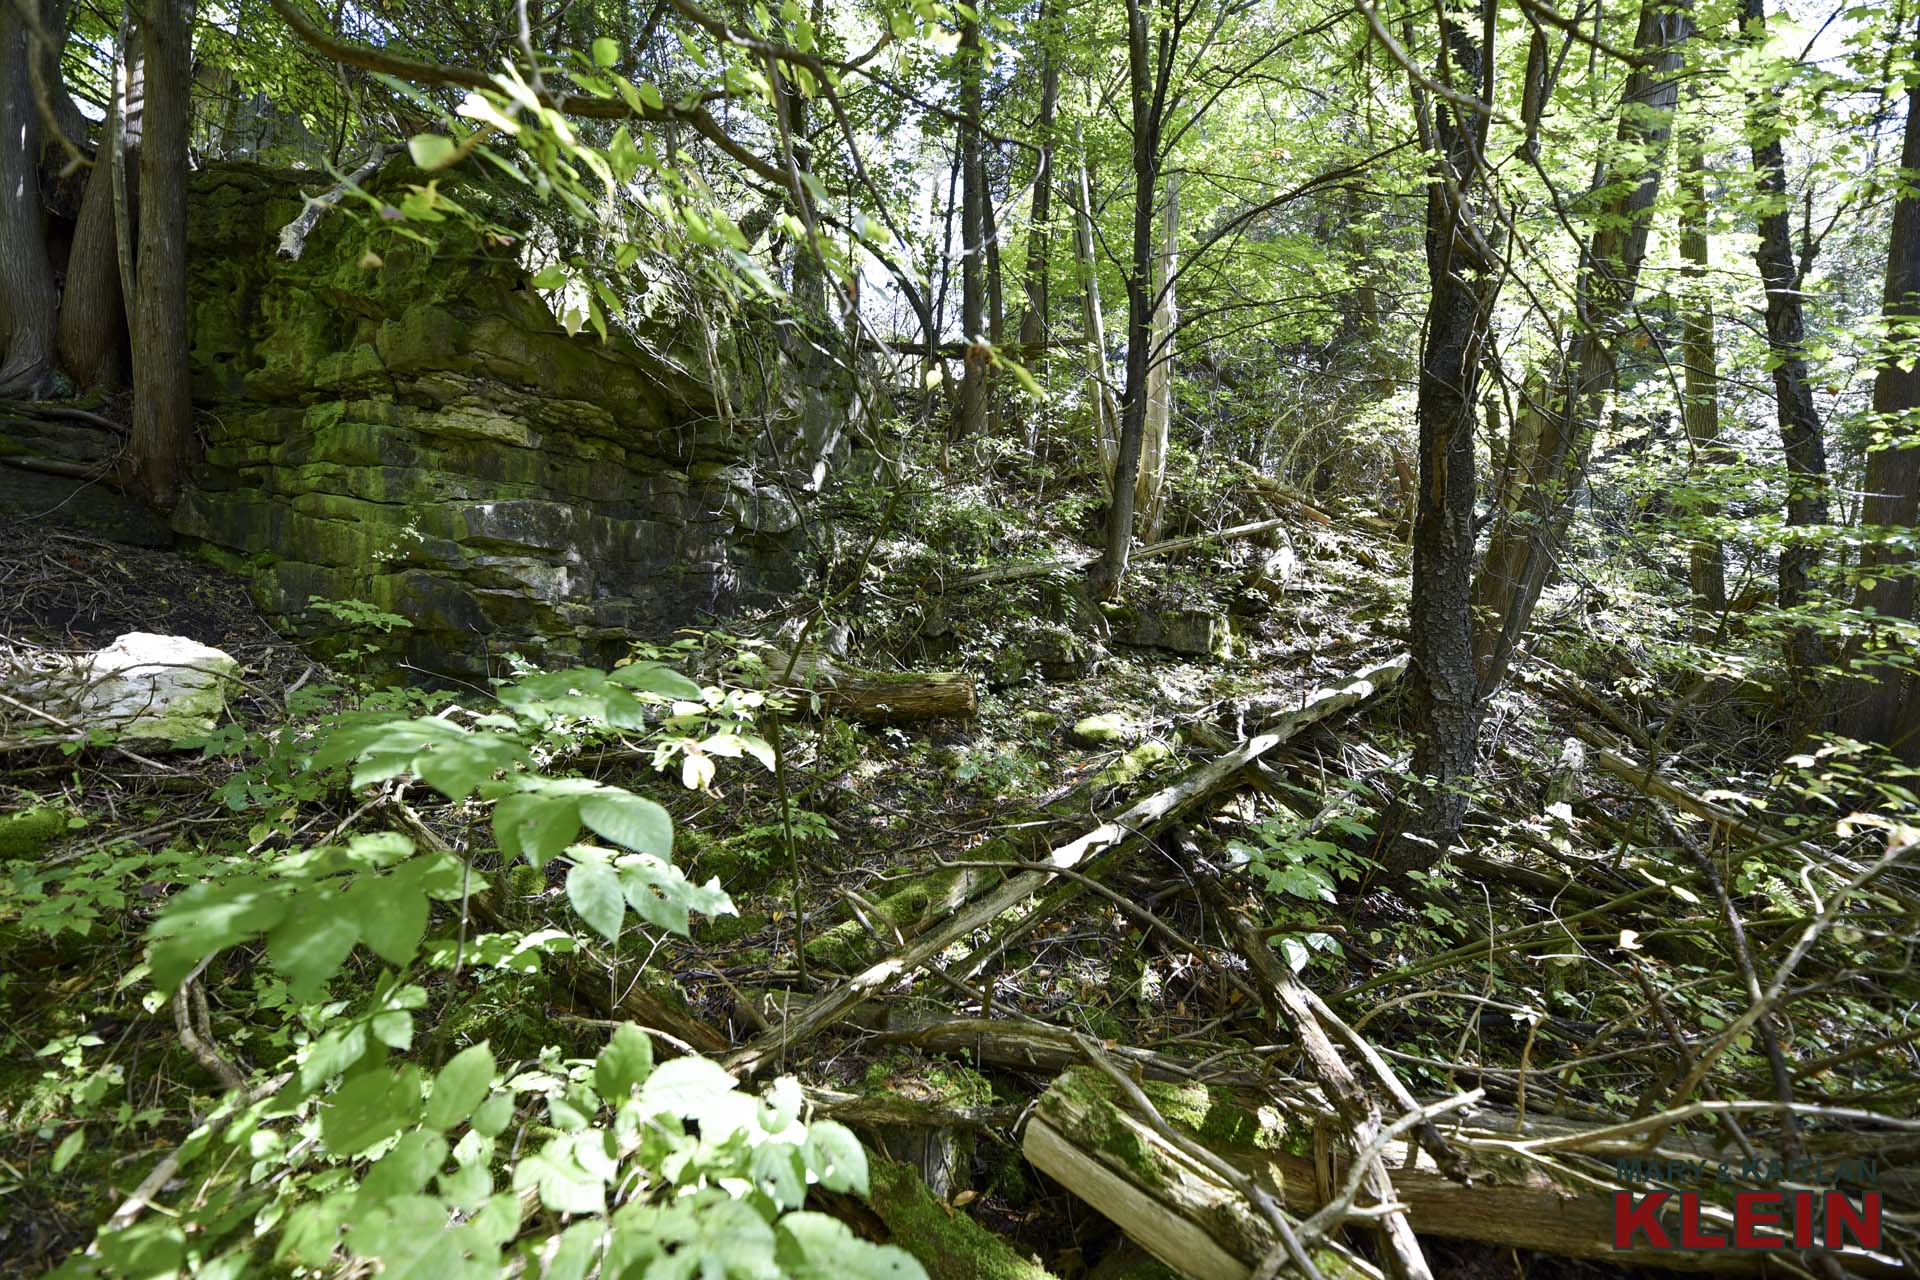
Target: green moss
pixel 1099 730
pixel 1133 764
pixel 924 1079
pixel 27 834
pixel 907 909
pixel 948 1243
pixel 725 929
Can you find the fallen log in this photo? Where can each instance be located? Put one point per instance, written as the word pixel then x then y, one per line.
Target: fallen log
pixel 1134 823
pixel 1172 1205
pixel 1356 1107
pixel 1083 1135
pixel 1018 572
pixel 877 697
pixel 923 899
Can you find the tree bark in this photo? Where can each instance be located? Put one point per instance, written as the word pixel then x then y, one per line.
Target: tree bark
pixel 161 443
pixel 27 297
pixel 1151 485
pixel 1033 321
pixel 1803 444
pixel 1104 408
pixel 1549 479
pixel 1106 575
pixel 93 314
pixel 1706 559
pixel 1464 287
pixel 972 418
pixel 1889 710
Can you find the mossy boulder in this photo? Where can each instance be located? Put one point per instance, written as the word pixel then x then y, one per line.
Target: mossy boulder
pixel 1107 728
pixel 29 832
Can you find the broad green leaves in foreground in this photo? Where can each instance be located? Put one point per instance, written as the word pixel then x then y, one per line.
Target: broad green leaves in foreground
pixel 615 1166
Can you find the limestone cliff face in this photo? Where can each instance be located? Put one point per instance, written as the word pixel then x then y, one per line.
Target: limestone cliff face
pixel 423 436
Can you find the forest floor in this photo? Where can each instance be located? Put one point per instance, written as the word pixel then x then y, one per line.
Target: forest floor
pixel 1472 975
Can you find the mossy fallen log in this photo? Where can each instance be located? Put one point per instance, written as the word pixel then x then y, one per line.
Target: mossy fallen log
pixel 873 697
pixel 948 1243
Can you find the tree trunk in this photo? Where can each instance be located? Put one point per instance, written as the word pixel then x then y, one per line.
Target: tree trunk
pixel 1151 486
pixel 161 443
pixel 93 315
pixel 1033 322
pixel 972 418
pixel 1889 713
pixel 1459 313
pixel 1550 478
pixel 1104 409
pixel 1105 577
pixel 1802 442
pixel 996 298
pixel 1706 560
pixel 27 298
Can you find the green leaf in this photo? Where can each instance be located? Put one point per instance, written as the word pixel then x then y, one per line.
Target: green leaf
pixel 406 1168
pixel 552 276
pixel 207 919
pixel 312 944
pixel 432 151
pixel 564 1186
pixel 594 890
pixel 605 52
pixel 629 820
pixel 460 1087
pixel 535 825
pixel 836 1157
pixel 651 677
pixel 813 1244
pixel 494 1115
pixel 70 1146
pixel 145 1251
pixel 366 1109
pixel 624 1063
pixel 683 1086
pixel 392 913
pixel 579 1244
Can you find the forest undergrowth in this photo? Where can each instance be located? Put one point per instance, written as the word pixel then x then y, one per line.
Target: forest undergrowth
pixel 1655 943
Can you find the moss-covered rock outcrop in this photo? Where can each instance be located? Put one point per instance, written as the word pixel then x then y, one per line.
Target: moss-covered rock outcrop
pixel 413 429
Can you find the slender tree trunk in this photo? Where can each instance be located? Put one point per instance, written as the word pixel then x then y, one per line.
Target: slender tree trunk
pixel 1033 321
pixel 1549 479
pixel 972 418
pixel 1105 575
pixel 27 298
pixel 131 102
pixel 1151 486
pixel 161 442
pixel 1105 409
pixel 1889 713
pixel 1706 560
pixel 996 298
pixel 1801 438
pixel 1464 286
